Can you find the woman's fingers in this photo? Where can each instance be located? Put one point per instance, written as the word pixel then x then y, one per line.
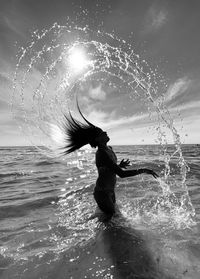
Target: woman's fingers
pixel 153 173
pixel 124 163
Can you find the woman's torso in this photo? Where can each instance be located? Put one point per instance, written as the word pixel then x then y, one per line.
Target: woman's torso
pixel 106 176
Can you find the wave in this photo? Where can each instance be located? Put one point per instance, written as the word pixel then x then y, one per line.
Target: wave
pixel 46 163
pixel 10 174
pixel 13 211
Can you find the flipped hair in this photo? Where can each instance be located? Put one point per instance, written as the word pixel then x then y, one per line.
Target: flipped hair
pixel 79 134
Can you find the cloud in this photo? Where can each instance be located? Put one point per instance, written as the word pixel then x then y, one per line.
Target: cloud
pixel 186 110
pixel 144 132
pixel 109 120
pixel 5 80
pixel 190 105
pixel 158 20
pixel 14 26
pixel 127 136
pixel 155 19
pixel 127 121
pixel 179 87
pixel 138 128
pixel 97 93
pixel 98 117
pixel 4 106
pixel 145 120
pixel 123 130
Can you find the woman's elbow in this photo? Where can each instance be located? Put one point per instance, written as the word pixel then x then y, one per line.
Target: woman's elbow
pixel 121 174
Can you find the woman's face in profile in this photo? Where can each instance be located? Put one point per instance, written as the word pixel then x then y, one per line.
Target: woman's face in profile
pixel 102 138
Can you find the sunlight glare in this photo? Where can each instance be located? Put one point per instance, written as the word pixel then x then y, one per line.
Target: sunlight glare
pixel 57 134
pixel 77 59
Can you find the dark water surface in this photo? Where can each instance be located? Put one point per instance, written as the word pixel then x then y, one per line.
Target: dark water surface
pixel 45 205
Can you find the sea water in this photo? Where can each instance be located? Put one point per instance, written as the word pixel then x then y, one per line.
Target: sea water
pixel 45 205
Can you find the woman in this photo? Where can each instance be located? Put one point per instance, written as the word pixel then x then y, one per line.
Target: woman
pixel 78 135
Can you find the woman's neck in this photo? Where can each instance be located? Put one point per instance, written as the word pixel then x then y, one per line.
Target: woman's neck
pixel 103 146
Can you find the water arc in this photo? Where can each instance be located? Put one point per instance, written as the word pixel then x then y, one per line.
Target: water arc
pixel 62 60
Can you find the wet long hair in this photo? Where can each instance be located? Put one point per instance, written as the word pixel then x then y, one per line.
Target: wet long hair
pixel 78 134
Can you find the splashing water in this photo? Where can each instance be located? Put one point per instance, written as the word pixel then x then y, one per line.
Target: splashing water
pixel 58 62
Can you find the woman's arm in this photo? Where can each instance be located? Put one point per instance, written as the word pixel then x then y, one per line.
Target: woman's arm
pixel 128 173
pixel 121 172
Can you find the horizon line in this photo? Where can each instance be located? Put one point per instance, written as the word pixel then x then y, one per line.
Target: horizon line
pixel 6 146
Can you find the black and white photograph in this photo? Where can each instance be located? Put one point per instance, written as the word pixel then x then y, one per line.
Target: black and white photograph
pixel 99 139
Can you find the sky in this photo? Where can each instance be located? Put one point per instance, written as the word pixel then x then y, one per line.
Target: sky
pixel 163 33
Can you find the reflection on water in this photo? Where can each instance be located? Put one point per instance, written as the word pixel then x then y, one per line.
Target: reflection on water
pixel 45 232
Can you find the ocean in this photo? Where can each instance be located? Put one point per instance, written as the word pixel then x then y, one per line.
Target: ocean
pixel 45 205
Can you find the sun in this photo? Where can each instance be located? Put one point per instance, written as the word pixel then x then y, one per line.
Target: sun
pixel 77 59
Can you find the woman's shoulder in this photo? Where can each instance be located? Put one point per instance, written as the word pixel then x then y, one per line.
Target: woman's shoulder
pixel 100 151
pixel 103 150
pixel 106 153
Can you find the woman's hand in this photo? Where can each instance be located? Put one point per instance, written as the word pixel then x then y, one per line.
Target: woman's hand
pixel 152 173
pixel 123 164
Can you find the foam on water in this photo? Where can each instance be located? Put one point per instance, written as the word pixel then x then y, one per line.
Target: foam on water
pixel 45 86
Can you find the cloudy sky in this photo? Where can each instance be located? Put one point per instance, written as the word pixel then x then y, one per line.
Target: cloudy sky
pixel 164 33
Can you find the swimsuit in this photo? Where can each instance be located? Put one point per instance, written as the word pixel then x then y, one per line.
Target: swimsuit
pixel 105 200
